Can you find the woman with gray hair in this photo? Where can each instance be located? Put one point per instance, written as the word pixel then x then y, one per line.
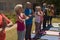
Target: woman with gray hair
pixel 20 20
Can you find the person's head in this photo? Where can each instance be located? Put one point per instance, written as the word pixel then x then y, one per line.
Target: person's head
pixel 48 6
pixel 29 5
pixel 52 6
pixel 18 8
pixel 38 8
pixel 44 4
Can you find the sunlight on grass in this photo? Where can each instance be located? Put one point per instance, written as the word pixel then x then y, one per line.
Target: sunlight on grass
pixel 11 34
pixel 56 20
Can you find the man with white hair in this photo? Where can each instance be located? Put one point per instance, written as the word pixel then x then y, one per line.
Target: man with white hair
pixel 28 12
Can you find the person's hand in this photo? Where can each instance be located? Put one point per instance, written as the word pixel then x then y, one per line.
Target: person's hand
pixel 46 8
pixel 44 13
pixel 1 30
pixel 27 17
pixel 22 20
pixel 10 24
pixel 30 15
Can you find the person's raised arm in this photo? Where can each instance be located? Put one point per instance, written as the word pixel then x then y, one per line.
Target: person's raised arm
pixel 20 19
pixel 33 13
pixel 7 20
pixel 25 17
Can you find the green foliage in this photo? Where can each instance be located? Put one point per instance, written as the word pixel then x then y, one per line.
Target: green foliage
pixel 12 17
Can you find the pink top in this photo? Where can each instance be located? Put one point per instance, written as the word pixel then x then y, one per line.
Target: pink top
pixel 20 25
pixel 39 18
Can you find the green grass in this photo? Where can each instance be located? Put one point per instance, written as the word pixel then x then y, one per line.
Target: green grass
pixel 12 34
pixel 56 20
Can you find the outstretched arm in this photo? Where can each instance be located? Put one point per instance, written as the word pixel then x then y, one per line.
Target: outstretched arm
pixel 26 17
pixel 7 20
pixel 19 18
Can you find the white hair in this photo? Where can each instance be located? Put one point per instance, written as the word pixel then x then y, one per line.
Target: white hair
pixel 38 7
pixel 18 6
pixel 52 5
pixel 28 2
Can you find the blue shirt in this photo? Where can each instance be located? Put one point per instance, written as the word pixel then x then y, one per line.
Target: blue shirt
pixel 43 8
pixel 27 13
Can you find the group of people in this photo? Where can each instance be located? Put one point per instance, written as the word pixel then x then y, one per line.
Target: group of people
pixel 24 19
pixel 42 14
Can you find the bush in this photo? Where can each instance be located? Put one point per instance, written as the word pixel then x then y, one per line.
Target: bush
pixel 12 17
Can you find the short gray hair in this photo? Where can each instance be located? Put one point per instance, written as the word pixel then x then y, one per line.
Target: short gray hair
pixel 28 2
pixel 38 7
pixel 18 6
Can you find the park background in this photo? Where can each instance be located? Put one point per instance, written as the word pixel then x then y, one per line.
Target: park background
pixel 7 7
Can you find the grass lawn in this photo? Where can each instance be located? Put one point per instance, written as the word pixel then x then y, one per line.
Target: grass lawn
pixel 12 34
pixel 56 20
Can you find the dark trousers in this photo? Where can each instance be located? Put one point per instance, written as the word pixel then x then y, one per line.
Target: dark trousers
pixel 37 29
pixel 44 22
pixel 28 31
pixel 50 20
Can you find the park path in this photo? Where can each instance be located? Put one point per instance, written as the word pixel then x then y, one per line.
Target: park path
pixel 52 33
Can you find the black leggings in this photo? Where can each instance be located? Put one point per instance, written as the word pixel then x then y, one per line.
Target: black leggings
pixel 50 20
pixel 44 22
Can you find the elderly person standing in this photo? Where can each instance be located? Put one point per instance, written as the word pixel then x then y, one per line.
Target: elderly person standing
pixel 50 14
pixel 52 10
pixel 44 9
pixel 20 20
pixel 28 12
pixel 38 22
pixel 45 16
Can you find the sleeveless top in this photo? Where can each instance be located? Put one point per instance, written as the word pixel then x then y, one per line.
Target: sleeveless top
pixel 38 18
pixel 20 25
